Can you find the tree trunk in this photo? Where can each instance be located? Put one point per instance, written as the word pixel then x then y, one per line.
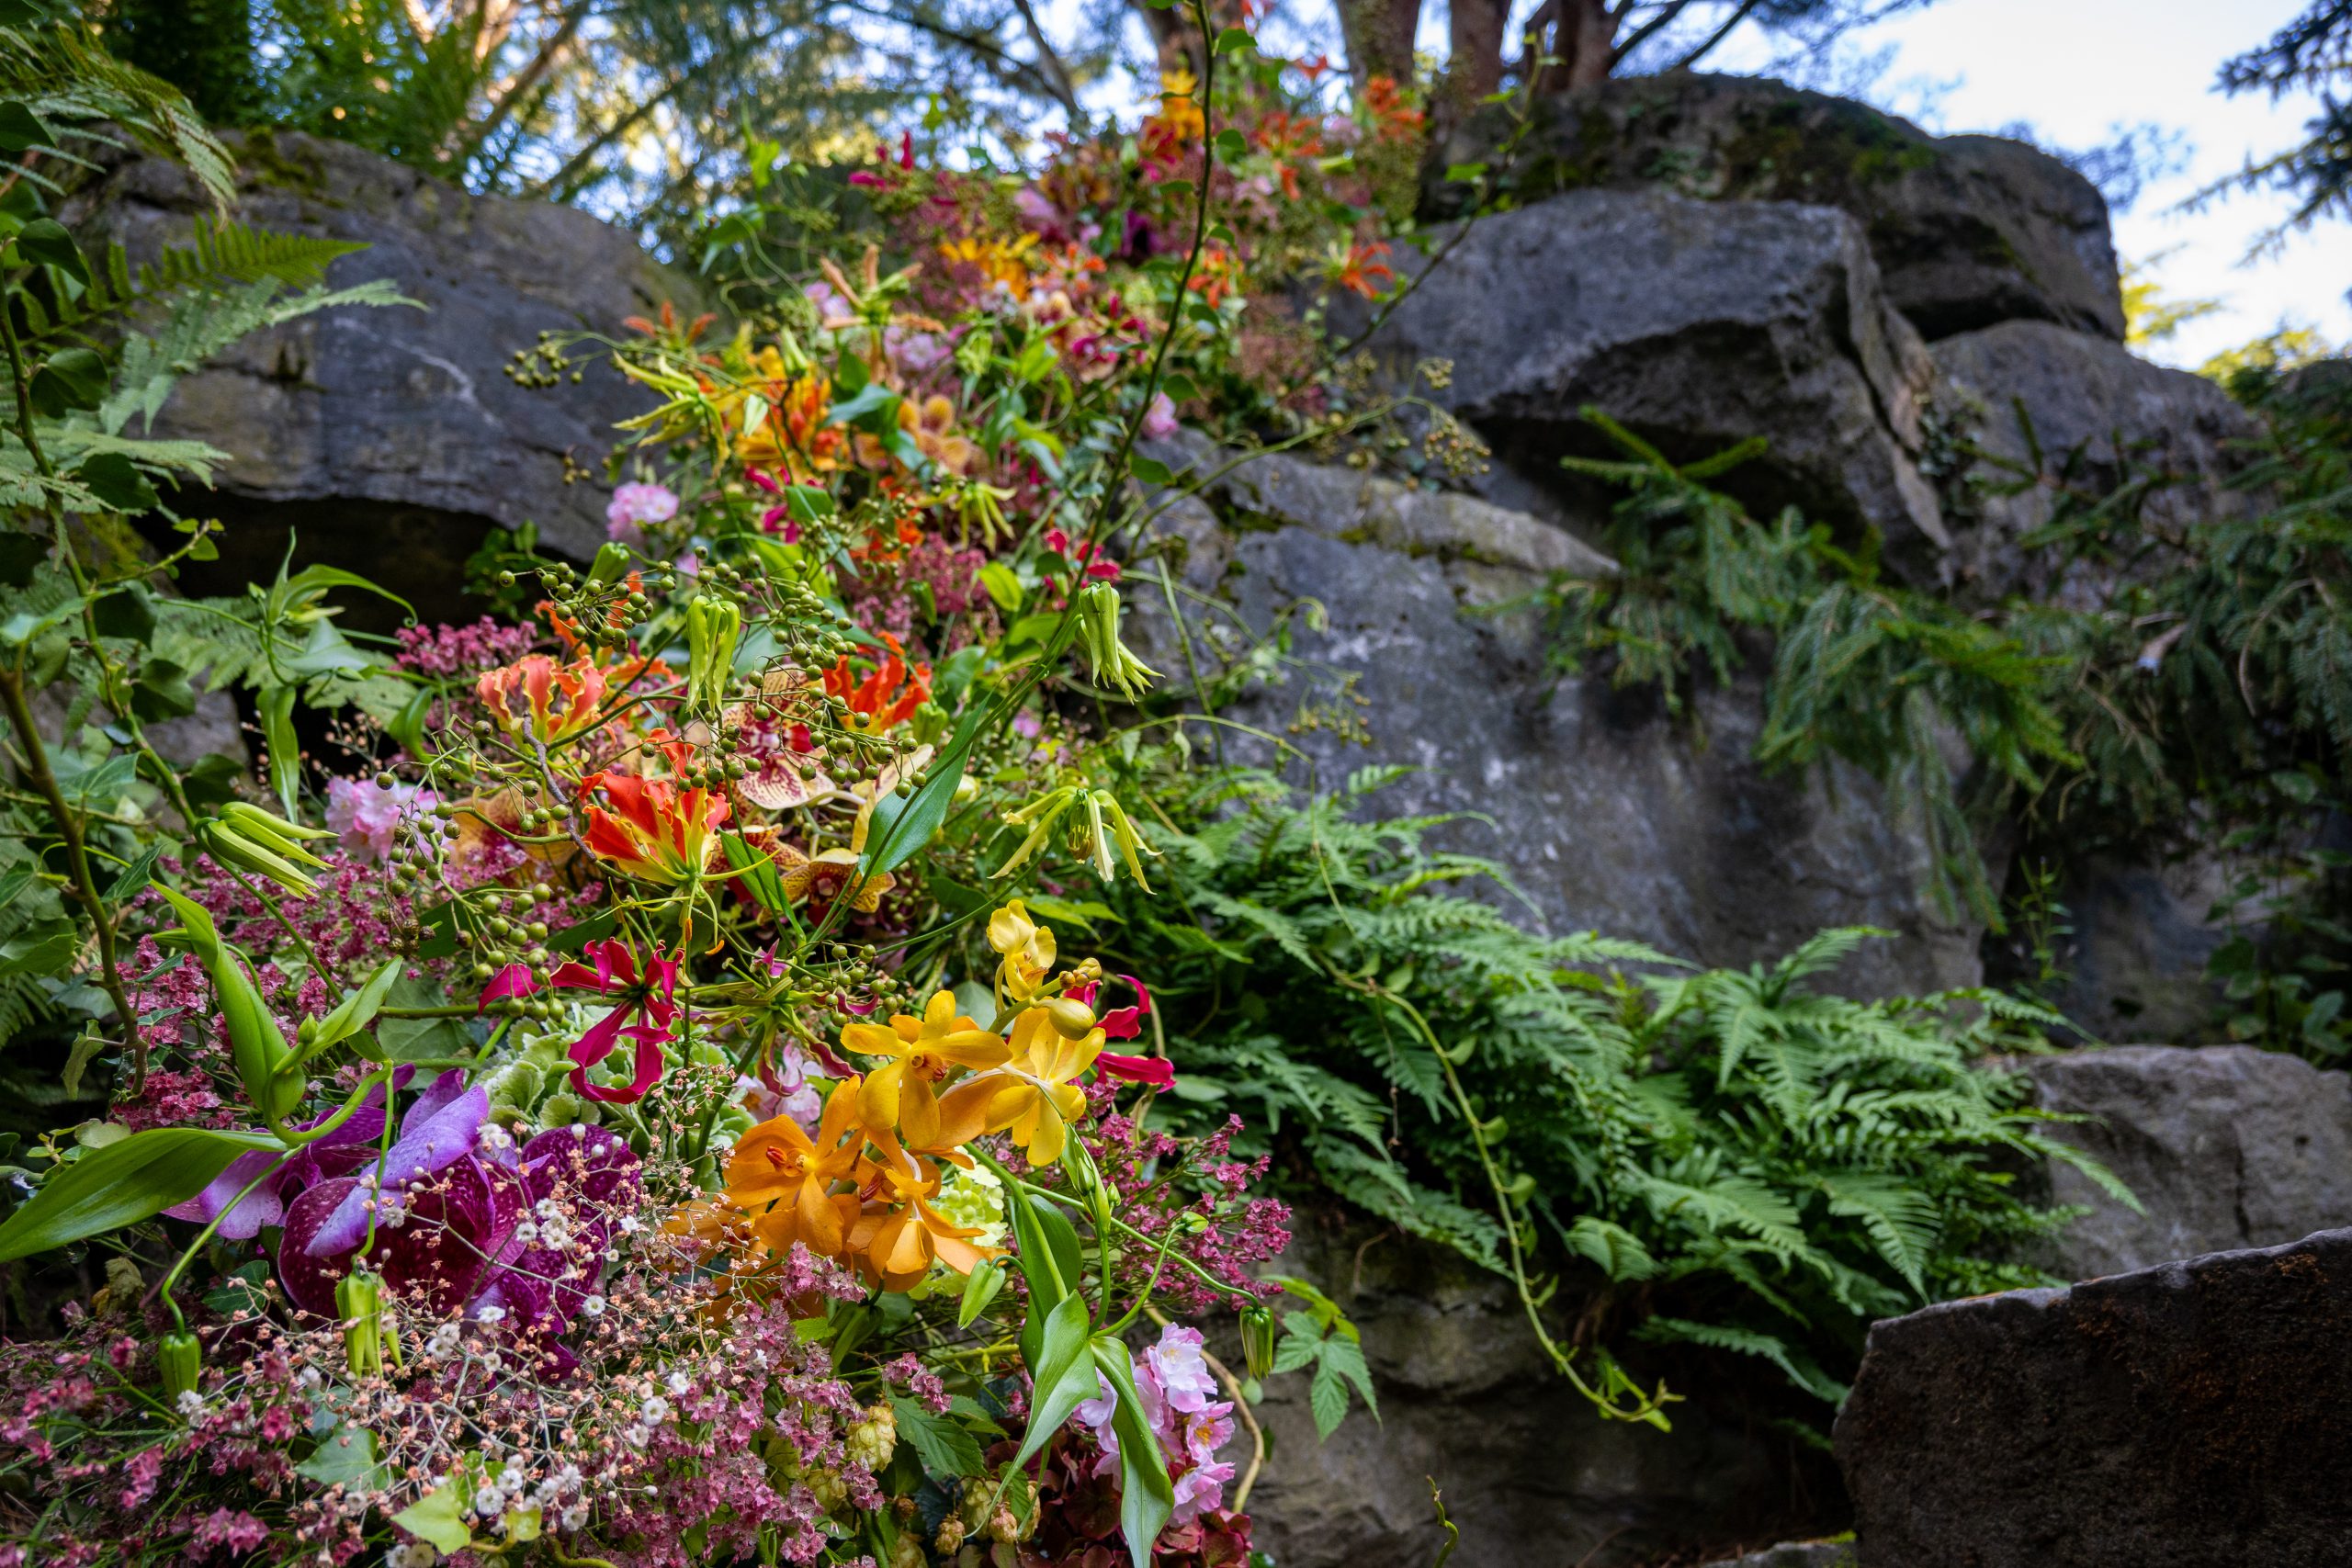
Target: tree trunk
pixel 1583 41
pixel 1474 65
pixel 1379 37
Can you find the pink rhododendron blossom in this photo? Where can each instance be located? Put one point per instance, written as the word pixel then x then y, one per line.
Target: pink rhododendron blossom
pixel 634 505
pixel 1159 419
pixel 365 817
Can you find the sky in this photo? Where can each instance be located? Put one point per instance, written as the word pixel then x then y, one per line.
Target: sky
pixel 2075 71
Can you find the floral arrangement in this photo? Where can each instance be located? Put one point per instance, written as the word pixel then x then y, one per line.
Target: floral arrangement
pixel 645 1106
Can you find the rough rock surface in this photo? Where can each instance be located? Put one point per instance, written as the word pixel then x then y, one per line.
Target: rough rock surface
pixel 1529 1473
pixel 2225 1146
pixel 1609 813
pixel 2197 1412
pixel 1967 231
pixel 1698 325
pixel 390 438
pixel 2098 416
pixel 1797 1555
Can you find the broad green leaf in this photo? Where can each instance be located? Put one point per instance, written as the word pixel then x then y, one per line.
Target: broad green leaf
pixel 945 1449
pixel 1145 1494
pixel 358 1010
pixel 346 1457
pixel 1064 1375
pixel 1151 471
pixel 438 1517
pixel 46 240
pixel 1004 586
pixel 903 824
pixel 122 1184
pixel 756 871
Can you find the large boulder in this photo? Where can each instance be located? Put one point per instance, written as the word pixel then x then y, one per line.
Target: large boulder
pixel 2226 1147
pixel 2048 417
pixel 1967 231
pixel 2197 1412
pixel 1609 813
pixel 391 440
pixel 1468 1403
pixel 1698 325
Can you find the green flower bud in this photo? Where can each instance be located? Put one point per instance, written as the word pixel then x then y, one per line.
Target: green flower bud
pixel 1098 633
pixel 359 1302
pixel 181 1357
pixel 1257 1339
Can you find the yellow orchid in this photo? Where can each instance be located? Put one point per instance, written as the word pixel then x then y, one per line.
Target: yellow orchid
pixel 1037 1097
pixel 1027 950
pixel 903 1095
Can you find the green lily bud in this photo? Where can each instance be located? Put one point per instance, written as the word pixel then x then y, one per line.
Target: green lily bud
pixel 980 1288
pixel 1098 632
pixel 359 1302
pixel 610 565
pixel 181 1356
pixel 1257 1339
pixel 712 627
pixel 256 1046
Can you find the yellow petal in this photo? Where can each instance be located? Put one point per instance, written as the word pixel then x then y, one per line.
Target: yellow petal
pixel 878 1101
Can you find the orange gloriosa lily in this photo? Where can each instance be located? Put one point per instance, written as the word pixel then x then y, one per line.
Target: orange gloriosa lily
pixel 539 697
pixel 903 1095
pixel 648 827
pixel 1036 1095
pixel 879 702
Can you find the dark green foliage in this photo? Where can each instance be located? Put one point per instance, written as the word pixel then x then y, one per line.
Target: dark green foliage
pixel 2194 691
pixel 1728 1158
pixel 205 48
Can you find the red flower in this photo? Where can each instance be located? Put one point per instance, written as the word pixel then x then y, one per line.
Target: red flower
pixel 615 974
pixel 876 703
pixel 654 831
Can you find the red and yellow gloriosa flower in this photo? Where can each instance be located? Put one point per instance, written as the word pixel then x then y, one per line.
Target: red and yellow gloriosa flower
pixel 648 827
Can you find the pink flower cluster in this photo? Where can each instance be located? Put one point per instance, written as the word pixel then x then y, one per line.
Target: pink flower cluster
pixel 634 505
pixel 1178 1390
pixel 447 650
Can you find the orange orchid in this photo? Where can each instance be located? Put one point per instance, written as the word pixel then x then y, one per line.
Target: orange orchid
pixel 650 829
pixel 537 697
pixel 889 693
pixel 1035 1095
pixel 792 434
pixel 903 1095
pixel 784 1179
pixel 894 1247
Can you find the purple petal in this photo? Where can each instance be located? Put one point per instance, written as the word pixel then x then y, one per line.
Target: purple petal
pixel 438 1131
pixel 239 1220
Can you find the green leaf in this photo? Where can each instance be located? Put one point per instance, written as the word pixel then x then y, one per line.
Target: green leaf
pixel 276 704
pixel 1326 1397
pixel 1464 174
pixel 438 1517
pixel 1151 471
pixel 125 613
pixel 1004 586
pixel 1145 1494
pixel 1063 1376
pixel 21 129
pixel 1235 40
pixel 418 1039
pixel 69 379
pixel 1232 146
pixel 132 877
pixel 78 1061
pixel 945 1449
pixel 122 1184
pixel 115 479
pixel 162 692
pixel 346 1457
pixel 873 399
pixel 358 1010
pixel 44 949
pixel 904 824
pixel 46 242
pixel 756 871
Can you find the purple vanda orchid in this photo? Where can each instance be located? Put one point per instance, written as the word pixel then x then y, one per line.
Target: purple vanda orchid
pixel 243 1215
pixel 441 1128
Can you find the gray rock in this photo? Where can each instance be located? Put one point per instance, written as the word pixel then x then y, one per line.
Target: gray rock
pixel 2140 936
pixel 1609 814
pixel 2047 412
pixel 1530 1476
pixel 2226 1146
pixel 1967 231
pixel 2198 1413
pixel 391 439
pixel 1696 324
